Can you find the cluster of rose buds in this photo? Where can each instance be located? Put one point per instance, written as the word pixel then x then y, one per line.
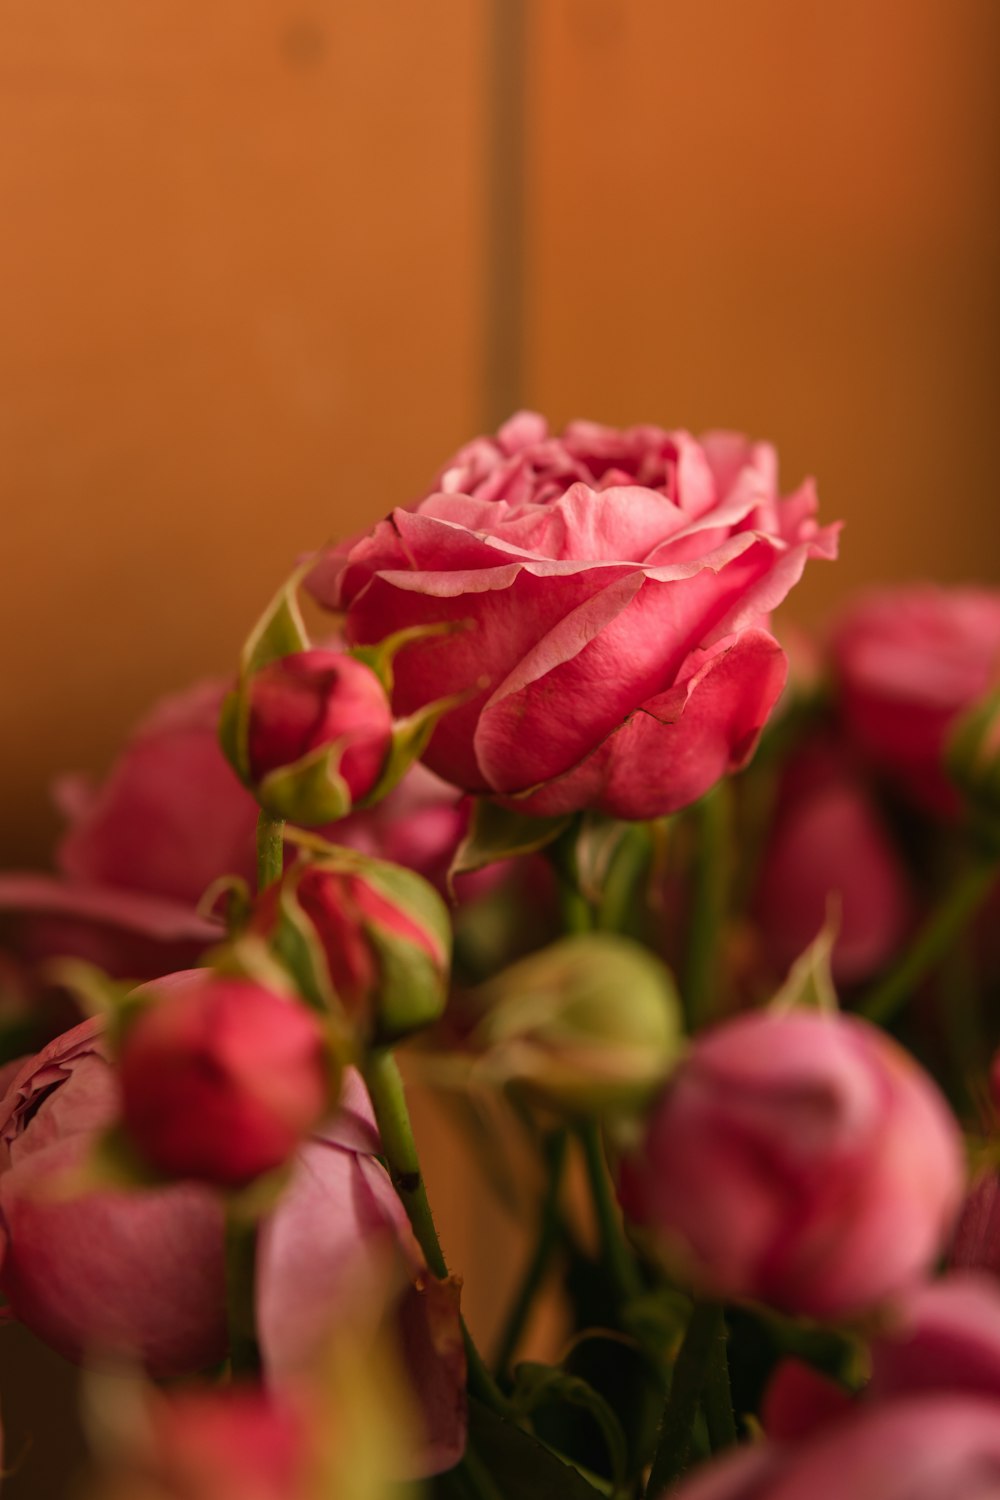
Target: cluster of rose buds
pixel 491 821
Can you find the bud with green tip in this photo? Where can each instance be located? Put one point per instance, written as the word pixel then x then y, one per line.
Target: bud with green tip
pixel 310 730
pixel 588 1026
pixel 362 935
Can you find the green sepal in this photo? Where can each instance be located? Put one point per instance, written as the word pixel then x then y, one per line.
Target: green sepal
pixel 809 985
pixel 249 957
pixel 380 655
pixel 495 833
pixel 413 991
pixel 410 738
pixel 227 897
pixel 95 992
pixel 280 631
pixel 413 985
pixel 310 791
pixel 296 944
pixel 113 1164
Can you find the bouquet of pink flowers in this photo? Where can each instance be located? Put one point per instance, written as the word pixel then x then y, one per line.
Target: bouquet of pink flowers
pixel 547 812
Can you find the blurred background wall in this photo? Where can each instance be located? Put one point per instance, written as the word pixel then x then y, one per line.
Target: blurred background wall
pixel 264 264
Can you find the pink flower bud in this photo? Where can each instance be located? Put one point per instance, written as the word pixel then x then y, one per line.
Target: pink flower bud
pixel 136 1275
pixel 384 935
pixel 316 699
pixel 945 1337
pixel 828 853
pixel 909 662
pixel 922 1448
pixel 221 1078
pixel 800 1159
pixel 141 848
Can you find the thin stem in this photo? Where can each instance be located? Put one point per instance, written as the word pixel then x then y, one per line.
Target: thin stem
pixel 270 849
pixel 704 1332
pixel 939 932
pixel 548 1237
pixel 617 1258
pixel 241 1265
pixel 710 897
pixel 385 1085
pixel 388 1096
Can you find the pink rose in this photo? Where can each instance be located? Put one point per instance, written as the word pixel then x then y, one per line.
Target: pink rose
pixel 941 1447
pixel 799 1159
pixel 611 593
pixel 945 1336
pixel 829 853
pixel 909 662
pixel 138 1275
pixel 221 1078
pixel 141 850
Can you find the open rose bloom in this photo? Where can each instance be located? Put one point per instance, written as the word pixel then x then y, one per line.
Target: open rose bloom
pixel 611 596
pixel 699 952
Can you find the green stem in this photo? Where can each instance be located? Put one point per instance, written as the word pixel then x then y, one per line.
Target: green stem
pixel 939 932
pixel 270 850
pixel 691 1373
pixel 241 1265
pixel 385 1085
pixel 548 1237
pixel 710 897
pixel 621 1267
pixel 241 1233
pixel 388 1096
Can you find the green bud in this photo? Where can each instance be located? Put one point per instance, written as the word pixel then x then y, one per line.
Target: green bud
pixel 588 1026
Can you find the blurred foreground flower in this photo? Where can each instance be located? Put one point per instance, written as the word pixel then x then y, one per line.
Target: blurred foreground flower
pixel 800 1159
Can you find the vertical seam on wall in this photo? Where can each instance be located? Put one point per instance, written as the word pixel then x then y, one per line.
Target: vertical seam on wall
pixel 505 212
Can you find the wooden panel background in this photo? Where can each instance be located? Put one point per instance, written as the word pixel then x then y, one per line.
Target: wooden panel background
pixel 264 264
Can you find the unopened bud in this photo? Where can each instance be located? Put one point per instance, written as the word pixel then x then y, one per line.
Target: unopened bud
pixel 381 934
pixel 587 1026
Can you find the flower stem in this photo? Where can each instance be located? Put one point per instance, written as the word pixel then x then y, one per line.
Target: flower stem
pixel 621 1267
pixel 710 897
pixel 241 1266
pixel 704 1337
pixel 548 1236
pixel 270 849
pixel 939 932
pixel 388 1096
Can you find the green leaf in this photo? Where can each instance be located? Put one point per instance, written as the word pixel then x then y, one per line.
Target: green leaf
pixel 496 833
pixel 520 1466
pixel 538 1384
